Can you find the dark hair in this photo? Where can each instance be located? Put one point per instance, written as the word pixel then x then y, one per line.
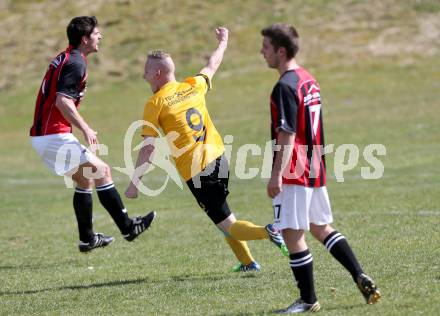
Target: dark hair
pixel 283 35
pixel 79 27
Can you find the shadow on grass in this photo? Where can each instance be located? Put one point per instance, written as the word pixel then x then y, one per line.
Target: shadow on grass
pixel 37 266
pixel 343 307
pixel 339 308
pixel 78 287
pixel 210 277
pixel 246 314
pixel 271 312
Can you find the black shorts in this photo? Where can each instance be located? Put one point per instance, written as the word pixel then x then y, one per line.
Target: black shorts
pixel 210 188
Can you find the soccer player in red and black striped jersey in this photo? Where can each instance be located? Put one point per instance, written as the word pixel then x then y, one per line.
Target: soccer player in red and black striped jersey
pixel 298 182
pixel 56 110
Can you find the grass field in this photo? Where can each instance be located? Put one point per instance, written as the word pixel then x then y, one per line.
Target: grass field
pixel 378 66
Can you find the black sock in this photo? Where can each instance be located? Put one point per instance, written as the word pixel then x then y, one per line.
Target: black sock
pixel 338 246
pixel 83 206
pixel 111 200
pixel 301 264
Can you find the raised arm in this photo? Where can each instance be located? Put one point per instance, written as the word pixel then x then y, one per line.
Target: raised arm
pixel 216 57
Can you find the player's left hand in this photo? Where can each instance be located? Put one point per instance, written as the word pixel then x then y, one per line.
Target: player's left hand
pixel 274 186
pixel 131 192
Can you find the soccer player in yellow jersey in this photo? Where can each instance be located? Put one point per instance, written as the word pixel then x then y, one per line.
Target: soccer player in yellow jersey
pixel 179 109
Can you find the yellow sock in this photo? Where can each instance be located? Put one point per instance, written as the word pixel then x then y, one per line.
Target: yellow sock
pixel 240 249
pixel 244 230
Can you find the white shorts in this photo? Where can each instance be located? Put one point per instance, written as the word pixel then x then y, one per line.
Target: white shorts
pixel 297 206
pixel 62 153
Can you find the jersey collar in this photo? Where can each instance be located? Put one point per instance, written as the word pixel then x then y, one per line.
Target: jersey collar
pixel 290 70
pixel 70 48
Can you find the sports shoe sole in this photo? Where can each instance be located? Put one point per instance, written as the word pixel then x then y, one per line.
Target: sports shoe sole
pixel 368 289
pixel 272 238
pixel 374 297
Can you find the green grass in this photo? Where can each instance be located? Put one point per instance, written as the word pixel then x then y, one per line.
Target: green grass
pixel 181 266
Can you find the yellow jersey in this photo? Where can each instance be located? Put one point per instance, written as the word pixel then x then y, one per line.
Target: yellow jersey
pixel 179 109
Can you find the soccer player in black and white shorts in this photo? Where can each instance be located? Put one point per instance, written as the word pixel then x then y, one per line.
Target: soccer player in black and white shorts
pixel 298 181
pixel 56 110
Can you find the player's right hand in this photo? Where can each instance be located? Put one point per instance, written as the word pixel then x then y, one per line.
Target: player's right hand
pixel 274 186
pixel 91 139
pixel 222 34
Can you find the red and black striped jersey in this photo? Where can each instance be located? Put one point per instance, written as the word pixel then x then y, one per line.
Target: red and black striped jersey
pixel 296 108
pixel 66 75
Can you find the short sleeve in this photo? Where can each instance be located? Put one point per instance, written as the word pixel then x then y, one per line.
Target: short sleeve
pixel 151 117
pixel 69 83
pixel 201 82
pixel 286 104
